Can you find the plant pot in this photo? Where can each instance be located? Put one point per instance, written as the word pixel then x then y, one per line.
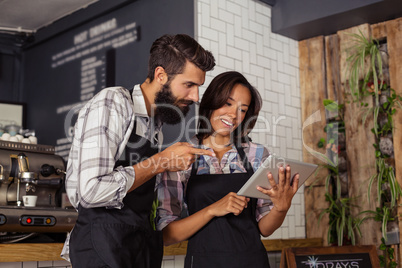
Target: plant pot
pixel 392 233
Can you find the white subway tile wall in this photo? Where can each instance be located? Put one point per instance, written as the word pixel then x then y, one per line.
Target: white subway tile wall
pixel 238 32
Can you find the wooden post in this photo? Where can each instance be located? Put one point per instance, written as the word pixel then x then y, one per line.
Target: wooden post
pixel 333 72
pixel 359 148
pixel 312 86
pixel 394 41
pixel 379 31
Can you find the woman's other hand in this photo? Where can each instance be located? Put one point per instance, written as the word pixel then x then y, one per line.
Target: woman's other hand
pixel 282 193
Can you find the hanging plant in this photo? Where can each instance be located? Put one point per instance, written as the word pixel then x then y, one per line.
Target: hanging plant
pixel 341 224
pixel 366 52
pixel 362 49
pixel 343 227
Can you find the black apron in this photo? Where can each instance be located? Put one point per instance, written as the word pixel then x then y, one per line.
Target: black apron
pixel 120 238
pixel 228 241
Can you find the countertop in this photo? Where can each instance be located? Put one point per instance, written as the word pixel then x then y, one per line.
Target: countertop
pixel 21 252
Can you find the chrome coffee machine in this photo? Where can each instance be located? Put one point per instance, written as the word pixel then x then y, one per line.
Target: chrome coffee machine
pixel 33 170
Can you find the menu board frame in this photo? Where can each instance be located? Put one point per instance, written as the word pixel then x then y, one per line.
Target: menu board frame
pixel 312 256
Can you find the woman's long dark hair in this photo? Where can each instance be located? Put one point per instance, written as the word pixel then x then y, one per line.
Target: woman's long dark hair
pixel 217 94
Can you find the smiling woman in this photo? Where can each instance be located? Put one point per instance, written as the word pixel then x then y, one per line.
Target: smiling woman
pixel 200 204
pixel 234 91
pixel 231 114
pixel 228 118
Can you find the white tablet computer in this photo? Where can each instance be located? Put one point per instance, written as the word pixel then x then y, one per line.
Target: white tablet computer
pixel 271 164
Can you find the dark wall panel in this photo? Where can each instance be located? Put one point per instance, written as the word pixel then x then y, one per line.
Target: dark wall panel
pixel 67 70
pixel 309 18
pixel 8 76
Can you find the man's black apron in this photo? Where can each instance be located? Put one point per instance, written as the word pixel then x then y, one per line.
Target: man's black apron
pixel 228 241
pixel 120 238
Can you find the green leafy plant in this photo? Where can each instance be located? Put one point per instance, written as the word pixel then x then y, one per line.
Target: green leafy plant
pixel 381 214
pixel 385 176
pixel 365 50
pixel 342 224
pixel 366 63
pixel 388 257
pixel 358 54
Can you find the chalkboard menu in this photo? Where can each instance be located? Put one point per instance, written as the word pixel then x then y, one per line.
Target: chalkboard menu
pixel 334 257
pixel 63 73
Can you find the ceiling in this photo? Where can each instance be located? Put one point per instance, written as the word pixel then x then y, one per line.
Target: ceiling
pixel 296 19
pixel 27 16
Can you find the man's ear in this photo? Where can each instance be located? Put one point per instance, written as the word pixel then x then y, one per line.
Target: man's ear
pixel 160 75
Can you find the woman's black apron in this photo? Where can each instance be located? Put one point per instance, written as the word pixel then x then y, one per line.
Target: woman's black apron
pixel 120 238
pixel 228 241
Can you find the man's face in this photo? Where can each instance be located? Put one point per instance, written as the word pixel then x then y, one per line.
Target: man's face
pixel 173 100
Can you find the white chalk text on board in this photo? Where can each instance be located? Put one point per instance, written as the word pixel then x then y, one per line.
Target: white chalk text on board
pixel 105 35
pixel 90 47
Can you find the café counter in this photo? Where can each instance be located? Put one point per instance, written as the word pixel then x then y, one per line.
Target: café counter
pixel 21 252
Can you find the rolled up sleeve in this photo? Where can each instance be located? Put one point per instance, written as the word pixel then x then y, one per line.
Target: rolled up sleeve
pixel 100 136
pixel 170 189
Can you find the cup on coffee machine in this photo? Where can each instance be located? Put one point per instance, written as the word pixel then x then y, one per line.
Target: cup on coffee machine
pixel 29 200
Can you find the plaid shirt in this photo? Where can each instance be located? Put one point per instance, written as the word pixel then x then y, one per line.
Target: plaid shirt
pixel 171 186
pixel 101 133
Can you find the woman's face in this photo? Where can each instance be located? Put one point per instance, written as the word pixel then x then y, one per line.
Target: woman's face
pixel 227 118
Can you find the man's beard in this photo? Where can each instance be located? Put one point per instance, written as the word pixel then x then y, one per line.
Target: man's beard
pixel 168 108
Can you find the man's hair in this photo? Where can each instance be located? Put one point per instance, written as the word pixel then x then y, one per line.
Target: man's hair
pixel 217 94
pixel 172 51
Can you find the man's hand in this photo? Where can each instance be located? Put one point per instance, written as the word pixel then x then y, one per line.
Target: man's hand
pixel 179 156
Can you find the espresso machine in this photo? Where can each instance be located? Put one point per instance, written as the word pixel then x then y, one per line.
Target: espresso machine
pixel 33 170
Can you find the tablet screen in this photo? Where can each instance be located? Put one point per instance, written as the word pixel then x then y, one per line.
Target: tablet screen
pixel 271 164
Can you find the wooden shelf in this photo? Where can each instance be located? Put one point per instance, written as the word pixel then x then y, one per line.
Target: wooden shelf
pixel 51 251
pixel 30 252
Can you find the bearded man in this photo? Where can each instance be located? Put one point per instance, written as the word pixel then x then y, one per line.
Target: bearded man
pixel 115 156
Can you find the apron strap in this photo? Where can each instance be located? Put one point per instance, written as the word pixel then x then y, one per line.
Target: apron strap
pixel 195 165
pixel 131 90
pixel 244 160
